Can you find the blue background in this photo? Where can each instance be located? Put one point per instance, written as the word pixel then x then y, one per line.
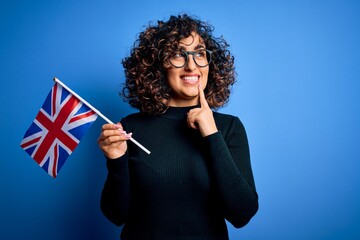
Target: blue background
pixel 297 94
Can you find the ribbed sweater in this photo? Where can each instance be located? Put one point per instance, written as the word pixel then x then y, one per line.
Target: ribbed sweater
pixel 187 186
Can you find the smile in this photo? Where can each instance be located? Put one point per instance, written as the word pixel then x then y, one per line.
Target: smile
pixel 193 79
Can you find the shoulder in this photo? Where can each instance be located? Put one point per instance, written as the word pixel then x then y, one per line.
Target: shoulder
pixel 226 119
pixel 134 116
pixel 133 119
pixel 229 124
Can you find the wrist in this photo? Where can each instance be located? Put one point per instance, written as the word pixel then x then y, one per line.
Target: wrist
pixel 114 155
pixel 208 131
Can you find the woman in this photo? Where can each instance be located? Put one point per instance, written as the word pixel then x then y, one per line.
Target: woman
pixel 198 173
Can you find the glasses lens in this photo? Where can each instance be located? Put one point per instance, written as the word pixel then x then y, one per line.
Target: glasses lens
pixel 202 58
pixel 178 59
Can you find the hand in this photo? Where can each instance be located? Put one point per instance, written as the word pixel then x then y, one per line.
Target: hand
pixel 202 118
pixel 112 140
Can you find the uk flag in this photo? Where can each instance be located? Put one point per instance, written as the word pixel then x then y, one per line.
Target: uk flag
pixel 57 129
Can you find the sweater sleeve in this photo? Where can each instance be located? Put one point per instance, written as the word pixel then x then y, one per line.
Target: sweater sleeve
pixel 115 197
pixel 230 160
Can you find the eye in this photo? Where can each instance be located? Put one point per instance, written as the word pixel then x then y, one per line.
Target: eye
pixel 178 54
pixel 201 54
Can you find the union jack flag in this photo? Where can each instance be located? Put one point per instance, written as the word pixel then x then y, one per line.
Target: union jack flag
pixel 57 129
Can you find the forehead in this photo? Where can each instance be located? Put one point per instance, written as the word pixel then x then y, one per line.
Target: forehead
pixel 193 40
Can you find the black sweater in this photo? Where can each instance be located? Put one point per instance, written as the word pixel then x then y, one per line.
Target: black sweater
pixel 187 186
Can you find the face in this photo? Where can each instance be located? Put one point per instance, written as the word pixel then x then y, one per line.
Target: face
pixel 184 81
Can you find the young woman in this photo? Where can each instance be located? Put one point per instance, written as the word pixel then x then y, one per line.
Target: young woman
pixel 198 173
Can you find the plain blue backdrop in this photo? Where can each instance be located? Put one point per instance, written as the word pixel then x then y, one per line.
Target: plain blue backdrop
pixel 297 93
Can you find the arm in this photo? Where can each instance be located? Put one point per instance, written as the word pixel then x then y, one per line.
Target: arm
pixel 230 161
pixel 115 197
pixel 116 192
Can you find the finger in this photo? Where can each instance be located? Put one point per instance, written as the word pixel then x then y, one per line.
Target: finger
pixel 191 120
pixel 110 139
pixel 192 124
pixel 111 126
pixel 116 139
pixel 110 132
pixel 202 99
pixel 119 126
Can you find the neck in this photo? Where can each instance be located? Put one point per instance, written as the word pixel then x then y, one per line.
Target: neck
pixel 190 103
pixel 178 113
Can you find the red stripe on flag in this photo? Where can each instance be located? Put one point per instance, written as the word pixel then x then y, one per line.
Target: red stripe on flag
pixel 53 100
pixel 55 129
pixel 26 144
pixel 83 115
pixel 56 153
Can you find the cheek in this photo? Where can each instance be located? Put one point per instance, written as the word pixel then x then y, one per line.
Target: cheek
pixel 172 74
pixel 205 74
pixel 171 77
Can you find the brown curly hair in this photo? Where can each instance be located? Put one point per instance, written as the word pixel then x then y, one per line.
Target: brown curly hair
pixel 146 87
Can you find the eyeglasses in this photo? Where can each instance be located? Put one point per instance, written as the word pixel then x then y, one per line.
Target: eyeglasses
pixel 202 58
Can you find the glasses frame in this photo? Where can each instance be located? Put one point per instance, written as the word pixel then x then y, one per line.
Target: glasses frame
pixel 187 53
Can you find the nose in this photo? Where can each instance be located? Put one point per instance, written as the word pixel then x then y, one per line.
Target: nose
pixel 190 65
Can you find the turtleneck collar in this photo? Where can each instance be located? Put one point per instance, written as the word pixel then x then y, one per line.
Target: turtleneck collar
pixel 177 113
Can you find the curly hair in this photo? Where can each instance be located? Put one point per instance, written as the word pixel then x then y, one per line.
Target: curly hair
pixel 146 87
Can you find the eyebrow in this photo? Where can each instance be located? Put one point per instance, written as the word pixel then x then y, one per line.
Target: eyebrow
pixel 200 46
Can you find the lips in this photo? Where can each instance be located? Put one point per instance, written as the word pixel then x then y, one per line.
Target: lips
pixel 190 79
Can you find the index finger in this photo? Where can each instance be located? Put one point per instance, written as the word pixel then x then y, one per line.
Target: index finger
pixel 112 126
pixel 202 99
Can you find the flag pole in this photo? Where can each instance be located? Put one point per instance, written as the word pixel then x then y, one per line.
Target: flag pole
pixel 98 112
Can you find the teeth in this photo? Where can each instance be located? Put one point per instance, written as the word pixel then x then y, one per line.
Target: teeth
pixel 190 78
